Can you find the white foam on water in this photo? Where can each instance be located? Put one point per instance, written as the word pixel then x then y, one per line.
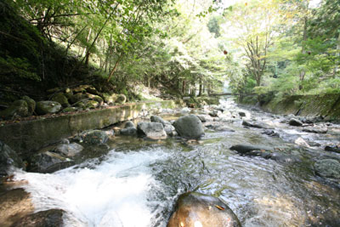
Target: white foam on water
pixel 114 193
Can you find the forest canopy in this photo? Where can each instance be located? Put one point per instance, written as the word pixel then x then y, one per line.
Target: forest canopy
pixel 190 46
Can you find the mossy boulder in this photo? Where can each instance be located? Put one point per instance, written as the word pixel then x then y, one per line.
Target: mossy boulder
pixel 31 104
pixel 114 98
pixel 62 99
pixel 96 98
pixel 48 107
pixel 18 108
pixel 69 109
pixel 95 137
pixel 87 104
pixel 77 97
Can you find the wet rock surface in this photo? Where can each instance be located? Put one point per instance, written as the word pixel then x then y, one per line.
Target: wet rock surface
pixel 8 158
pixel 196 209
pixel 14 204
pixel 49 162
pixel 53 217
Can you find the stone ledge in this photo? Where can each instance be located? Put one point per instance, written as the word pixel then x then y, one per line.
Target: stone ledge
pixel 28 136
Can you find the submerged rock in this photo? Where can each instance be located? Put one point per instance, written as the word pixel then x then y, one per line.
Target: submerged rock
pixel 196 209
pixel 252 124
pixel 264 152
pixel 244 149
pixel 14 204
pixel 48 107
pixel 189 127
pixel 315 129
pixel 8 158
pixel 53 217
pixel 151 130
pixel 329 168
pixel 333 148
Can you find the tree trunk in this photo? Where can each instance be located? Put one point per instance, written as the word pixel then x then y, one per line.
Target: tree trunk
pixel 200 92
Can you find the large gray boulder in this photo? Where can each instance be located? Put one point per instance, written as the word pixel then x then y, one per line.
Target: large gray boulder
pixel 329 168
pixel 151 130
pixel 189 127
pixel 48 107
pixel 196 209
pixel 8 158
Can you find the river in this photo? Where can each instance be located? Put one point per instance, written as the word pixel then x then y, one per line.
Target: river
pixel 136 182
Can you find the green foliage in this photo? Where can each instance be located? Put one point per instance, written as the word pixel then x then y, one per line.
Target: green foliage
pixel 18 67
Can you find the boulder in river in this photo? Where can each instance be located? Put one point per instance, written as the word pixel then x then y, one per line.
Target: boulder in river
pixel 8 158
pixel 48 107
pixel 168 128
pixel 295 122
pixel 252 124
pixel 189 127
pixel 53 217
pixel 196 209
pixel 95 137
pixel 154 118
pixel 151 130
pixel 69 150
pixel 129 129
pixel 49 162
pixel 329 168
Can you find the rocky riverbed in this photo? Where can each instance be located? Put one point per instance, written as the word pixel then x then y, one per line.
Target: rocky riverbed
pixel 267 170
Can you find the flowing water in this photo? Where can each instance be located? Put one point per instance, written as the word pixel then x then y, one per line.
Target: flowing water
pixel 136 182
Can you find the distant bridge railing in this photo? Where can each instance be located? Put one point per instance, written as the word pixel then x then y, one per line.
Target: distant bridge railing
pixel 222 94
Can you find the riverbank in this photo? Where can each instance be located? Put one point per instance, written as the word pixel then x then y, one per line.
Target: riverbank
pixel 326 106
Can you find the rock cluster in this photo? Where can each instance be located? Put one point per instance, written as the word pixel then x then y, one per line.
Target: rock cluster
pixel 62 100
